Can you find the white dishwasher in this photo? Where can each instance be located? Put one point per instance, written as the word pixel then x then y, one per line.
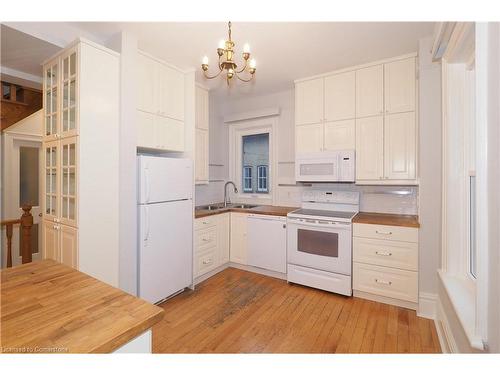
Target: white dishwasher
pixel 266 237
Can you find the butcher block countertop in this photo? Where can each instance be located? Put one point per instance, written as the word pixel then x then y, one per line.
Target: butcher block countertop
pixel 47 307
pixel 387 219
pixel 261 210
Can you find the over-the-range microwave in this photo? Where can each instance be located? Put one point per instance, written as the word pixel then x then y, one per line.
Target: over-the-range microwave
pixel 325 166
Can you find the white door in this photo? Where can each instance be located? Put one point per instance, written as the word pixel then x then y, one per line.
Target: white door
pixel 164 179
pixel 146 130
pixel 340 135
pixel 238 252
pixel 370 91
pixel 202 109
pixel 340 98
pixel 171 87
pixel 267 242
pixel 370 148
pixel 147 70
pixel 201 156
pixel 25 187
pixel 170 133
pixel 309 138
pixel 309 102
pixel 399 86
pixel 165 250
pixel 400 146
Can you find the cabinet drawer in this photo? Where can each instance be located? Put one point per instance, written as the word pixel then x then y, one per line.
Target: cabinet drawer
pixel 395 254
pixel 385 232
pixel 205 222
pixel 385 281
pixel 205 238
pixel 205 261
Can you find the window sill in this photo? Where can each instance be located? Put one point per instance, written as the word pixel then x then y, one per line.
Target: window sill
pixel 463 300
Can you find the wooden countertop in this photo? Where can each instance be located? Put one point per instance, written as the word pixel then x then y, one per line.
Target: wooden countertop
pixel 49 307
pixel 262 210
pixel 387 219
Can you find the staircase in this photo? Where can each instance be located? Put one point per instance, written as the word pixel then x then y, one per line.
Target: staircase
pixel 17 103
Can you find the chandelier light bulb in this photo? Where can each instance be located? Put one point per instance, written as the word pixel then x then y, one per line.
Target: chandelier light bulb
pixel 205 60
pixel 253 64
pixel 222 44
pixel 246 48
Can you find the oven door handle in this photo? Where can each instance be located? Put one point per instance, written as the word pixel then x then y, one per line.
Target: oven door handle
pixel 316 224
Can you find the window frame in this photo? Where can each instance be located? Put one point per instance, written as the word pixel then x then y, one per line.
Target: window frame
pixel 262 178
pixel 247 178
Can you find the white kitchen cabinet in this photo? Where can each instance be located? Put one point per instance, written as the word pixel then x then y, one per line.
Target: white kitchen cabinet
pixel 309 138
pixel 211 243
pixel 202 108
pixel 201 136
pixel 385 264
pixel 400 146
pixel 339 97
pixel 340 135
pixel 370 148
pixel 201 156
pixel 238 253
pixel 146 130
pixel 309 102
pixel 160 105
pixel 370 91
pixel 81 150
pixel 68 244
pixel 399 86
pixel 147 84
pixel 50 237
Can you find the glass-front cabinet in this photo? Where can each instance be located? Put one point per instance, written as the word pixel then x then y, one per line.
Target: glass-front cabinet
pixel 69 186
pixel 50 102
pixel 69 102
pixel 51 201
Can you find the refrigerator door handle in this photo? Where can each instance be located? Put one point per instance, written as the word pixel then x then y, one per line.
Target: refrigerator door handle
pixel 146 217
pixel 147 184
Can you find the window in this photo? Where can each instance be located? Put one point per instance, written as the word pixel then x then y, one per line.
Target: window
pixel 255 158
pixel 262 179
pixel 247 179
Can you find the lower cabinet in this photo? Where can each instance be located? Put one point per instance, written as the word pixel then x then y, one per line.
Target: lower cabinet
pixel 211 243
pixel 60 243
pixel 238 238
pixel 385 263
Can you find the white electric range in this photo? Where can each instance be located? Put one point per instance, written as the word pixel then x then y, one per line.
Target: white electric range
pixel 319 240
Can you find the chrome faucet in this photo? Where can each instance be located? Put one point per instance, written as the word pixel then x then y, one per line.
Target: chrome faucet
pixel 227 200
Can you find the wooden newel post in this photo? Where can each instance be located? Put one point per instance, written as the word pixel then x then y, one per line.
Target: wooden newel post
pixel 26 224
pixel 10 231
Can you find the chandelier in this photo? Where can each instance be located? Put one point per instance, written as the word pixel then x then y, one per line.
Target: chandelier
pixel 226 63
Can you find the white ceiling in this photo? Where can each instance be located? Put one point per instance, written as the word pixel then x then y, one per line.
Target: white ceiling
pixel 284 51
pixel 24 53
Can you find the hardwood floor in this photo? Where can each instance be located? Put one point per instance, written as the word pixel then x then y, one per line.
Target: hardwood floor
pixel 242 312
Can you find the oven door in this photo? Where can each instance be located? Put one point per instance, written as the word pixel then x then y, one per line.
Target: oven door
pixel 320 244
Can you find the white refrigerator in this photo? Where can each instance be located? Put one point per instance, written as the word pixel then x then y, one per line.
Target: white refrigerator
pixel 165 208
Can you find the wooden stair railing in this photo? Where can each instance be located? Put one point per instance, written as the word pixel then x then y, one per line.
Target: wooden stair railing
pixel 26 222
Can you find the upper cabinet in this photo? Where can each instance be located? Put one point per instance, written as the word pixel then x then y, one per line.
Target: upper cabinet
pixel 340 100
pixel 201 135
pixel 399 86
pixel 160 104
pixel 309 102
pixel 370 91
pixel 371 109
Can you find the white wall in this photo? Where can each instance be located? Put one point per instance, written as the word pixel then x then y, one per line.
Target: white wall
pixel 430 167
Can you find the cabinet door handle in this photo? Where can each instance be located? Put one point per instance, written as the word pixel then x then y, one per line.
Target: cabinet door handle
pixel 205 239
pixel 384 233
pixel 383 253
pixel 207 261
pixel 378 281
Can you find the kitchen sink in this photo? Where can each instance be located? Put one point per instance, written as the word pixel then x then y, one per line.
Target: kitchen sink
pixel 210 207
pixel 241 205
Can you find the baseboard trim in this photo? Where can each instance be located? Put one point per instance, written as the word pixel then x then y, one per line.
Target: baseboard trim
pixel 443 329
pixel 427 305
pixel 384 299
